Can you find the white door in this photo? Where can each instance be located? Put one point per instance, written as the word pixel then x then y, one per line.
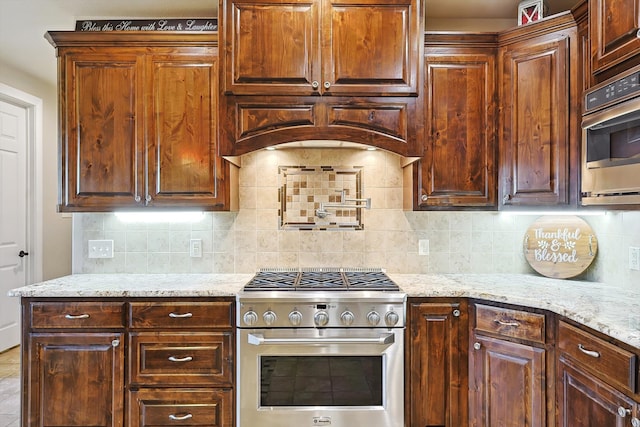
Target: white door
pixel 13 215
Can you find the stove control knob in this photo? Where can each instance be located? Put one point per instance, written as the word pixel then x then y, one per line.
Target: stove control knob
pixel 250 318
pixel 391 318
pixel 295 317
pixel 373 318
pixel 321 318
pixel 269 317
pixel 347 318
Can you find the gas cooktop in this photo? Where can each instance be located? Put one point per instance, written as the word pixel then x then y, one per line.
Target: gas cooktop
pixel 321 279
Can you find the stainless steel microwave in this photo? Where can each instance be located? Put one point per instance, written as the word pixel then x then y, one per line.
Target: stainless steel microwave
pixel 611 142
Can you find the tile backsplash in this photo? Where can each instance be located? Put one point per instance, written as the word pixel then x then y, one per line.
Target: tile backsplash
pixel 243 241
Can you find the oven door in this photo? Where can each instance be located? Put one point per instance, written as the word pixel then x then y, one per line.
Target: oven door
pixel 320 377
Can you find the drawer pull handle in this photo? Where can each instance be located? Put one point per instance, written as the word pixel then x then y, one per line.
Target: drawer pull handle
pixel 511 323
pixel 173 417
pixel 180 316
pixel 76 316
pixel 588 352
pixel 180 359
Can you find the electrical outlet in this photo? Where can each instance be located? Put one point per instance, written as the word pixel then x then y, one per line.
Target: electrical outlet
pixel 195 248
pixel 423 247
pixel 634 258
pixel 100 248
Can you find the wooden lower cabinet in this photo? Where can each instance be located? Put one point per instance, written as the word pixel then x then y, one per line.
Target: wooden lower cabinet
pixel 507 384
pixel 511 367
pixel 436 381
pixel 585 401
pixel 127 362
pixel 74 379
pixel 180 407
pixel 597 381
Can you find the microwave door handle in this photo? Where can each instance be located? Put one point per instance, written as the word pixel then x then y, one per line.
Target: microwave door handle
pixel 259 339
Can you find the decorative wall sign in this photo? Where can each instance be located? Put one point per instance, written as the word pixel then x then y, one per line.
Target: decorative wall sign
pixel 161 24
pixel 560 246
pixel 530 11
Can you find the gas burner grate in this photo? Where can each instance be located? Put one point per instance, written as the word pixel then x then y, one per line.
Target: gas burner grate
pixel 321 279
pixel 369 280
pixel 273 279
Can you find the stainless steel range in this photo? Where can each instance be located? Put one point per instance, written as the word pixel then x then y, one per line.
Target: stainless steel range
pixel 320 347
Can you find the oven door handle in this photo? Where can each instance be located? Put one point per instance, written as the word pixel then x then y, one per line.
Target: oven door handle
pixel 259 339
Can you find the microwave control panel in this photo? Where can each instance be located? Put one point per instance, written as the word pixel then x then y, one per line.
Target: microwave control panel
pixel 614 91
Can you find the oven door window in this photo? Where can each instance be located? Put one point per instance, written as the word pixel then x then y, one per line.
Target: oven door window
pixel 615 142
pixel 321 381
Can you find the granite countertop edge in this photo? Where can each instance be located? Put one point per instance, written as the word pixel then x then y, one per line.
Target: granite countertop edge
pixel 603 307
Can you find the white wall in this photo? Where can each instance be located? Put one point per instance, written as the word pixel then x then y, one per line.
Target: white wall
pixel 56 228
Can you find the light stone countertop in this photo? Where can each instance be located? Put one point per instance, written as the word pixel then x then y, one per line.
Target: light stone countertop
pixel 605 308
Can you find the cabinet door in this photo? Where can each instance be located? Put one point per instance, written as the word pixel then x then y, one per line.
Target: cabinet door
pixel 614 28
pixel 584 401
pixel 458 167
pixel 75 380
pixel 507 387
pixel 536 127
pixel 271 47
pixel 437 379
pixel 371 47
pixel 101 134
pixel 183 163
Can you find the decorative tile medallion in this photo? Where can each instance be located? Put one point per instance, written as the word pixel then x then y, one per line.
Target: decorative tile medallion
pixel 303 190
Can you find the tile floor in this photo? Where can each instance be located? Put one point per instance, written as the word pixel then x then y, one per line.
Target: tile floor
pixel 10 388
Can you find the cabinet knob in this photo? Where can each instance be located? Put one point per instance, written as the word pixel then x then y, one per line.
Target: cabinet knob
pixel 315 84
pixel 327 85
pixel 148 198
pixel 637 36
pixel 115 343
pixel 506 198
pixel 424 197
pixel 137 199
pixel 623 412
pixel 477 346
pixel 456 313
pixel 635 422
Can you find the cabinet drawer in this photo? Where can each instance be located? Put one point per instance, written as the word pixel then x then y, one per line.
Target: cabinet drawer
pixel 181 315
pixel 70 315
pixel 510 323
pixel 184 407
pixel 181 358
pixel 613 364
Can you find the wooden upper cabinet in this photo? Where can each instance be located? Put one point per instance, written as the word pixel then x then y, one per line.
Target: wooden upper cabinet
pixel 316 47
pixel 539 126
pixel 615 30
pixel 138 121
pixel 183 165
pixel 100 128
pixel 458 166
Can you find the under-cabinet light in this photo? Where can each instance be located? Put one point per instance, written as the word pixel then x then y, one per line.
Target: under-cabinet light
pixel 150 217
pixel 541 213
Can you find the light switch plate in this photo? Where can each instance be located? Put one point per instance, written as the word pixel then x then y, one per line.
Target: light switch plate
pixel 634 258
pixel 100 248
pixel 423 247
pixel 195 248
